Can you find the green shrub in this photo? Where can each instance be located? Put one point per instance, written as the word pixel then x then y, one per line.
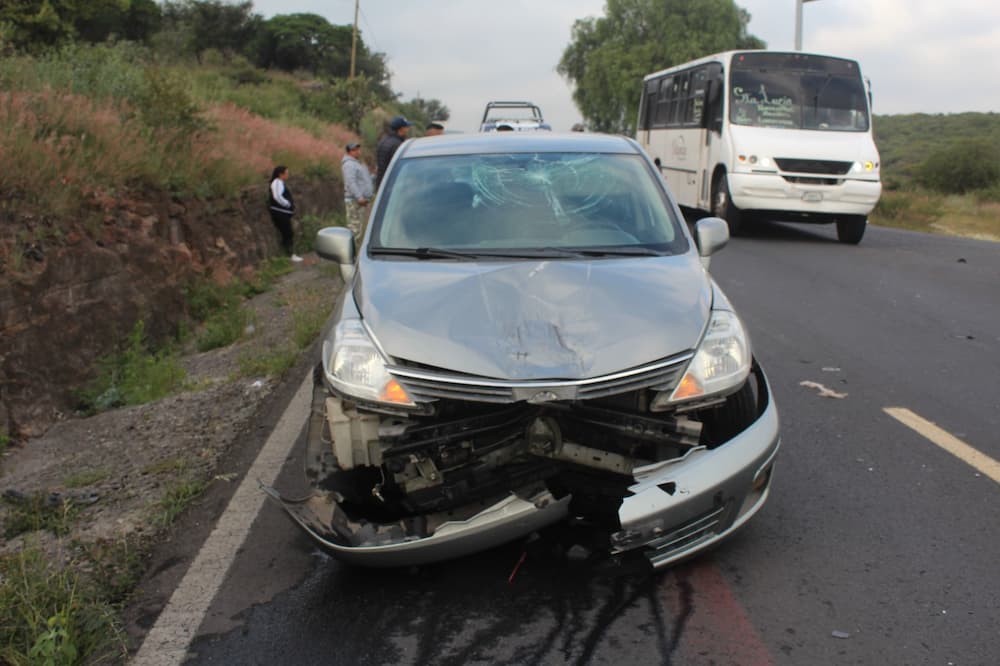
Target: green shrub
pixel 892 205
pixel 165 101
pixel 37 512
pixel 51 616
pixel 224 327
pixel 961 167
pixel 205 297
pixel 309 225
pixel 135 375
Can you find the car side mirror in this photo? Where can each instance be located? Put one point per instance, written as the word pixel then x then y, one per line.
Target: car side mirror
pixel 337 244
pixel 710 235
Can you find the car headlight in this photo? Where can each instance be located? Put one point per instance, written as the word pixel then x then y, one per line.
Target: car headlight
pixel 355 367
pixel 722 362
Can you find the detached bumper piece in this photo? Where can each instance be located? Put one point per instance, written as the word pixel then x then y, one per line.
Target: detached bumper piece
pixel 422 539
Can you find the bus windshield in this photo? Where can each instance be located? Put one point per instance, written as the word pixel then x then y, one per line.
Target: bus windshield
pixel 794 91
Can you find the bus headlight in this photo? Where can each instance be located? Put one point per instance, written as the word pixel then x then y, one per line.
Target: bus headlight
pixel 867 166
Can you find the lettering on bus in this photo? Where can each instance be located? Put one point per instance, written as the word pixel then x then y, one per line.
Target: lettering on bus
pixel 760 108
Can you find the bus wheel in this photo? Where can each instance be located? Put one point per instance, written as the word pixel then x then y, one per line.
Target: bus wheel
pixel 851 229
pixel 722 206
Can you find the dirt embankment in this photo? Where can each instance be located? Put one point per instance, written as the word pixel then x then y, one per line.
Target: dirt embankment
pixel 70 290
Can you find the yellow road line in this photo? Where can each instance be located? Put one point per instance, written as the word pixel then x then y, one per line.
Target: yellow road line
pixel 947 441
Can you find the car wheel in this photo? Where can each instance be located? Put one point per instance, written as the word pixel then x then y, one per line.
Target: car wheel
pixel 723 206
pixel 851 229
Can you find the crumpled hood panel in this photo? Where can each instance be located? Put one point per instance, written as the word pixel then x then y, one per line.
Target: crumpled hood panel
pixel 535 319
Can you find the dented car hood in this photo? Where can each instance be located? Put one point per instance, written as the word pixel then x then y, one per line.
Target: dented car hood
pixel 535 319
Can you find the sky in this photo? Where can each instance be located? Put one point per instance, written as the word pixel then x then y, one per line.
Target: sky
pixel 930 56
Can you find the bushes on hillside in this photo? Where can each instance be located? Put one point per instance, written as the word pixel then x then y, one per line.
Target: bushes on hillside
pixel 962 167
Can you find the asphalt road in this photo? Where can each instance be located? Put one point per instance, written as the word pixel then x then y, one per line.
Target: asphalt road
pixel 877 546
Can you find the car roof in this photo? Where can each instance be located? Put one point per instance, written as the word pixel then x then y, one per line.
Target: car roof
pixel 517 142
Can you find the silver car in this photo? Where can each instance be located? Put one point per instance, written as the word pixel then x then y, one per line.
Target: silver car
pixel 529 333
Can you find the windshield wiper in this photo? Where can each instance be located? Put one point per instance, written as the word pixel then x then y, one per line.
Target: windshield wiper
pixel 422 253
pixel 618 252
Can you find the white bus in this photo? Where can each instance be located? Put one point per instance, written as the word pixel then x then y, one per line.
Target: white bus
pixel 769 134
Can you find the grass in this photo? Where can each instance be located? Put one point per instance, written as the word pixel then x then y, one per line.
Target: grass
pixel 4 443
pixel 135 375
pixel 93 119
pixel 269 364
pixel 166 465
pixel 225 327
pixel 84 478
pixel 968 215
pixel 52 615
pixel 37 512
pixel 177 498
pixel 305 238
pixel 310 310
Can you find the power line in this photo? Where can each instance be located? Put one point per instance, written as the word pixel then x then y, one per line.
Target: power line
pixel 370 30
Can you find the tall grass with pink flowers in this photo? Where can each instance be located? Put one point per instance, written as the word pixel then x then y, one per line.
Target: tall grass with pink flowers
pixel 102 119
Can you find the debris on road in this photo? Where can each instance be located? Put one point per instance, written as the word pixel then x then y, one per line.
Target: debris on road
pixel 824 392
pixel 840 634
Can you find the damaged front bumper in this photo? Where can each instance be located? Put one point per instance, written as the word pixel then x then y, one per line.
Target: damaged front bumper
pixel 671 510
pixel 681 507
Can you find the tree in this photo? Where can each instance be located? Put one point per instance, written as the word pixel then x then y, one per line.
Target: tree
pixel 608 56
pixel 310 42
pixel 34 25
pixel 962 166
pixel 212 24
pixel 422 110
pixel 305 41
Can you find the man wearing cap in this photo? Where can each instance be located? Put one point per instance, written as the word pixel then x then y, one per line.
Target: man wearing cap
pixel 389 144
pixel 358 189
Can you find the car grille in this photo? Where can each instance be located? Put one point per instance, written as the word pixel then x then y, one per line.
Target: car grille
pixel 431 384
pixel 825 167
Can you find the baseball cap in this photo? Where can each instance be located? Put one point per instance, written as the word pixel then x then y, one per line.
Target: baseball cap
pixel 352 146
pixel 399 122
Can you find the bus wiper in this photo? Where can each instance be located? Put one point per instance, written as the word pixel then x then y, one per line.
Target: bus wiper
pixel 422 253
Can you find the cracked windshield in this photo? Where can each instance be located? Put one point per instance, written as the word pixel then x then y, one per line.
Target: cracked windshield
pixel 527 201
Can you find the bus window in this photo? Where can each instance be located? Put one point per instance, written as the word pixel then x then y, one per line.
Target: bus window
pixel 663 102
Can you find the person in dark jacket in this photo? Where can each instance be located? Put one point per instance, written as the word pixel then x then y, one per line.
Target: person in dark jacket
pixel 388 145
pixel 282 207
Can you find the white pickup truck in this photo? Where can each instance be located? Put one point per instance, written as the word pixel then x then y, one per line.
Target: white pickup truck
pixel 501 116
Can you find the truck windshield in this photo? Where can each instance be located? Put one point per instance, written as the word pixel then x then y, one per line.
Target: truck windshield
pixel 794 91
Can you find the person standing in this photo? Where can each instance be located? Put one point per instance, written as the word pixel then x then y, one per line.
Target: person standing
pixel 358 189
pixel 434 129
pixel 282 208
pixel 399 127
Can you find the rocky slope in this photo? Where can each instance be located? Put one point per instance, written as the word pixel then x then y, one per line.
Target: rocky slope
pixel 70 290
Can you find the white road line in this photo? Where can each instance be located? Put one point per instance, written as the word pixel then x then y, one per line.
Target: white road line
pixel 167 642
pixel 953 445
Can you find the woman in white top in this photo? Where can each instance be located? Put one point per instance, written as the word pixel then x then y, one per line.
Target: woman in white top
pixel 282 207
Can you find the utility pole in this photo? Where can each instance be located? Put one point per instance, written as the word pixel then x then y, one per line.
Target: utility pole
pixel 798 23
pixel 354 36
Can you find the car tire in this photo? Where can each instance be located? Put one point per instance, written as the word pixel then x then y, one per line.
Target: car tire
pixel 723 206
pixel 851 229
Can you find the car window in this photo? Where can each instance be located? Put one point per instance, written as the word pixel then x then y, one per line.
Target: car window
pixel 521 201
